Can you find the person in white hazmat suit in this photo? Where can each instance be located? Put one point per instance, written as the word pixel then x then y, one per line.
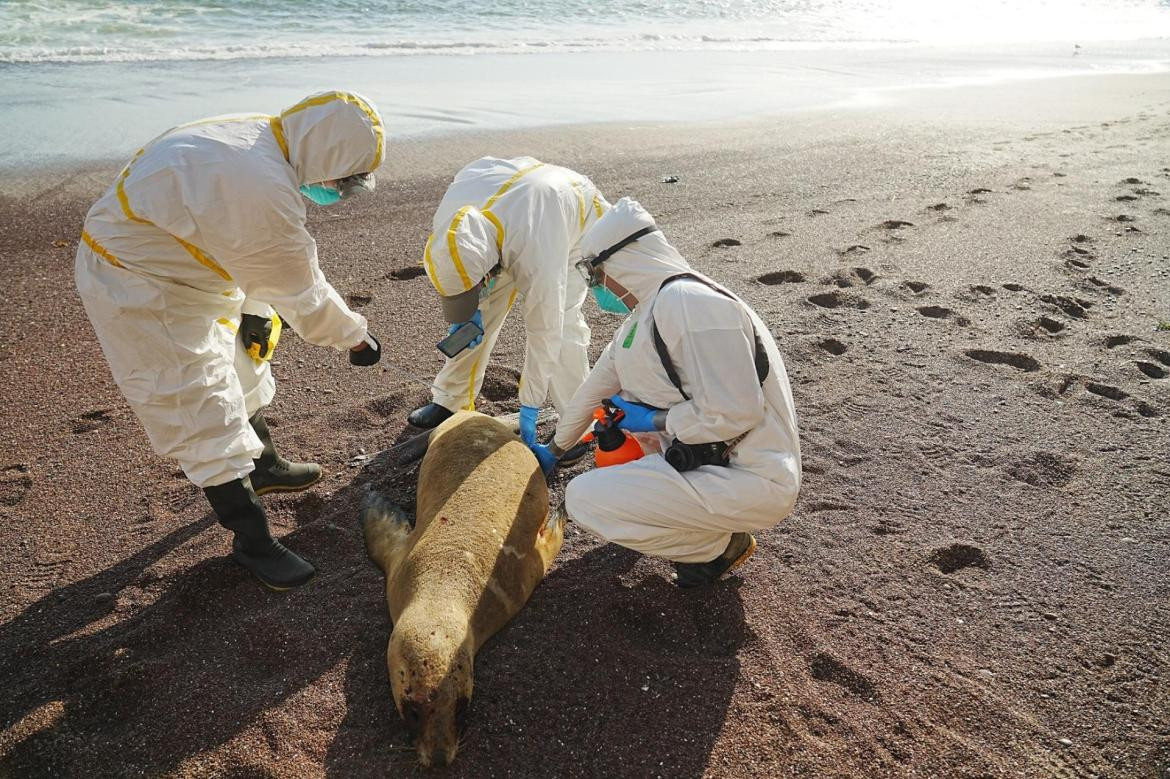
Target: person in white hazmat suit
pixel 180 265
pixel 509 228
pixel 710 403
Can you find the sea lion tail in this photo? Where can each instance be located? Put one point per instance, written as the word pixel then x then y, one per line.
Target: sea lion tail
pixel 385 526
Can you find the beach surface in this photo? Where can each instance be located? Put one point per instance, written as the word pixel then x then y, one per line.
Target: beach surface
pixel 967 286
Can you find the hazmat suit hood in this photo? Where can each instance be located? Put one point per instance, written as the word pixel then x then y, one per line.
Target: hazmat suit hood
pixel 331 135
pixel 458 255
pixel 641 266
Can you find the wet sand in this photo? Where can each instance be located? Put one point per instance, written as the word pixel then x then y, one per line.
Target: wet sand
pixel 966 289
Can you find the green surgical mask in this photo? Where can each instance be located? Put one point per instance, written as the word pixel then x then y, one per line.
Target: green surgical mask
pixel 607 301
pixel 321 195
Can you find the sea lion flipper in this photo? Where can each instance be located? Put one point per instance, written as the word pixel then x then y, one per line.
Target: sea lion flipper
pixel 385 526
pixel 551 535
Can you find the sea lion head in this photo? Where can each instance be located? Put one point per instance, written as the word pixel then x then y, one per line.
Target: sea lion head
pixel 430 664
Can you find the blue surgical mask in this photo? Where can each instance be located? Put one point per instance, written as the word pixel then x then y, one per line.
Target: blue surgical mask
pixel 321 195
pixel 607 301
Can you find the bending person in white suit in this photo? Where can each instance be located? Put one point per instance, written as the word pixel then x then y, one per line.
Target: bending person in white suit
pixel 180 265
pixel 507 229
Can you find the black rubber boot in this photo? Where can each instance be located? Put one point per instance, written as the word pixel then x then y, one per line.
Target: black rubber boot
pixel 574 454
pixel 273 473
pixel 739 549
pixel 254 548
pixel 430 415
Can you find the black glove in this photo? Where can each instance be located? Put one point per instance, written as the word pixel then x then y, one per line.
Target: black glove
pixel 256 330
pixel 368 356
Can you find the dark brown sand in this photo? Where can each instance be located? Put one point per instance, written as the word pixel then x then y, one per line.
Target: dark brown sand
pixel 974 582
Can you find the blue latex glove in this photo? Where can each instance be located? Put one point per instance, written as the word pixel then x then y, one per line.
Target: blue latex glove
pixel 528 425
pixel 544 456
pixel 638 418
pixel 477 317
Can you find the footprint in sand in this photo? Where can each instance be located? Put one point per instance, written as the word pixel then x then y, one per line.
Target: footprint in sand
pixel 1045 327
pixel 956 557
pixel 1023 184
pixel 1143 192
pixel 1151 370
pixel 817 212
pixel 977 293
pixel 1113 341
pixel 15 482
pixel 826 668
pixel 939 207
pixel 1109 392
pixel 1126 198
pixel 1098 285
pixel 856 248
pixel 973 195
pixel 939 312
pixel 1081 238
pixel 92 420
pixel 781 277
pixel 406 274
pixel 1130 181
pixel 1021 362
pixel 1123 218
pixel 1044 469
pixel 359 299
pixel 724 243
pixel 779 234
pixel 1013 287
pixel 851 277
pixel 838 300
pixel 833 346
pixel 1076 308
pixel 1159 355
pixel 1106 391
pixel 895 224
pixel 916 287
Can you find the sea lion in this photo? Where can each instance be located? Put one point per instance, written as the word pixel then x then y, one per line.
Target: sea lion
pixel 483 539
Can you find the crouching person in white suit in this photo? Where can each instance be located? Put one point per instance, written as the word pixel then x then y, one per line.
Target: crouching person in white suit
pixel 710 401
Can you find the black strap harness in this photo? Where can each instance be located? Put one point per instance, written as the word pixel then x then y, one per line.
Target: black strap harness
pixel 763 366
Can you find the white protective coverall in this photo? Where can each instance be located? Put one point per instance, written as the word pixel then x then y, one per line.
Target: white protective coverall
pixel 205 223
pixel 646 504
pixel 528 217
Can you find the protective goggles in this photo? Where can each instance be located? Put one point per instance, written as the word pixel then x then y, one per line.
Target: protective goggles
pixel 355 184
pixel 590 267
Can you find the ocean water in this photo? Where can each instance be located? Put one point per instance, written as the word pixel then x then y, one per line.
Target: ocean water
pixel 93 79
pixel 152 30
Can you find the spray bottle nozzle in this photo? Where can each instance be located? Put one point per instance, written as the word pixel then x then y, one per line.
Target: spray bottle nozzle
pixel 613 445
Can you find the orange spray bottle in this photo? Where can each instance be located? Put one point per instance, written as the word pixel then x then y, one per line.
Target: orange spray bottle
pixel 614 445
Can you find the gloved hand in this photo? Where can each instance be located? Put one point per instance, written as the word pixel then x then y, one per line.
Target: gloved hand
pixel 544 456
pixel 369 355
pixel 638 418
pixel 477 317
pixel 256 330
pixel 528 416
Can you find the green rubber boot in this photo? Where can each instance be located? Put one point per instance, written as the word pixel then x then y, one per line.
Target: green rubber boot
pixel 273 473
pixel 253 547
pixel 739 549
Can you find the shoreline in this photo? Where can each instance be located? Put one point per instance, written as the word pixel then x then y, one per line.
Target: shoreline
pixel 912 100
pixel 121 105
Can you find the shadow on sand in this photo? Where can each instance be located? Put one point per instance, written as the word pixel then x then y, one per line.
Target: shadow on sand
pixel 608 670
